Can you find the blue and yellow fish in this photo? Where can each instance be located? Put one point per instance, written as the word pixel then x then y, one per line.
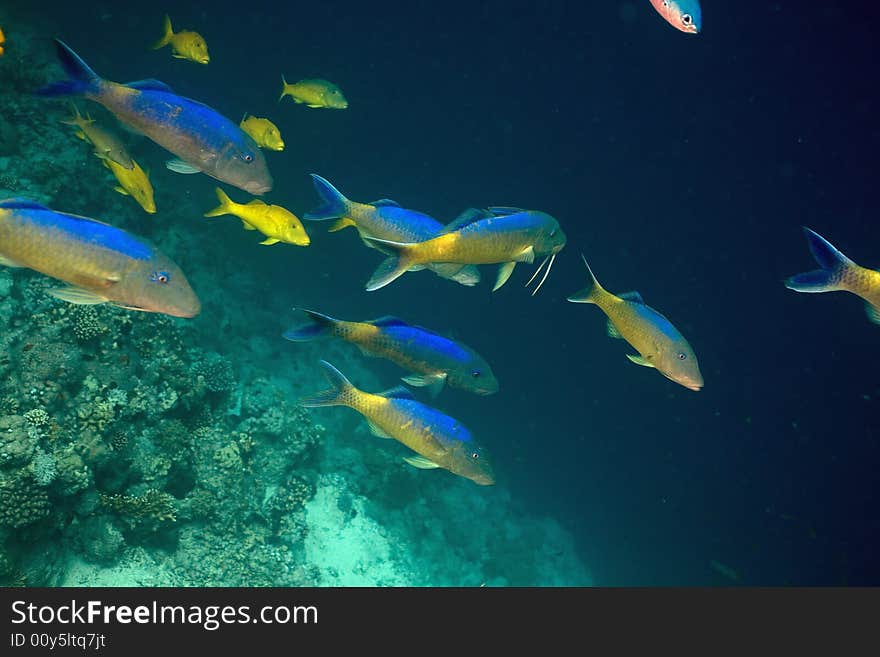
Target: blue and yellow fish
pixel 385 219
pixel 202 139
pixel 500 235
pixel 101 264
pixel 838 273
pixel 438 440
pixel 434 359
pixel 658 342
pixel 684 15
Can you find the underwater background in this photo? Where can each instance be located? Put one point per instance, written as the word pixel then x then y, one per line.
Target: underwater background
pixel 139 449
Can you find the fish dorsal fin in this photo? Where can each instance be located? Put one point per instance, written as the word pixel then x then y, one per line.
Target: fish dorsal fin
pixel 633 296
pixel 388 320
pixel 21 204
pixel 469 216
pixel 385 202
pixel 504 210
pixel 149 84
pixel 612 330
pixel 398 392
pixel 420 462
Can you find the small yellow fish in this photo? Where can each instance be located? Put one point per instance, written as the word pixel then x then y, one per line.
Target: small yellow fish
pixel 184 45
pixel 263 131
pixel 134 183
pixel 2 41
pixel 314 93
pixel 276 223
pixel 107 145
pixel 838 273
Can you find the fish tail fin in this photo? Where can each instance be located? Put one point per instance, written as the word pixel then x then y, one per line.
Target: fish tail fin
pixel 394 266
pixel 167 34
pixel 833 264
pixel 225 206
pixel 81 79
pixel 283 88
pixel 340 393
pixel 318 326
pixel 592 291
pixel 333 204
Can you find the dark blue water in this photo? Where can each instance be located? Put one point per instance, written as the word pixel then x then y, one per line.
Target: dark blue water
pixel 681 166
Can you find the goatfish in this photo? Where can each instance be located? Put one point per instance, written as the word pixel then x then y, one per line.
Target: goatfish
pixel 107 145
pixel 838 273
pixel 314 93
pixel 506 236
pixel 184 44
pixel 438 440
pixel 100 263
pixel 384 219
pixel 684 15
pixel 134 183
pixel 202 139
pixel 262 131
pixel 275 222
pixel 2 41
pixel 434 359
pixel 658 342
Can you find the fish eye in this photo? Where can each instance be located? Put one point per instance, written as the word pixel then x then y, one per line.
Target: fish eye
pixel 553 232
pixel 476 374
pixel 475 455
pixel 682 356
pixel 160 277
pixel 247 157
pixel 687 19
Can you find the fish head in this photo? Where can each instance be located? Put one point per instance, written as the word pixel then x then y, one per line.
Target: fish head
pixel 159 286
pixel 142 191
pixel 272 138
pixel 470 461
pixel 678 362
pixel 196 48
pixel 334 98
pixel 549 238
pixel 244 166
pixel 684 15
pixel 475 376
pixel 295 233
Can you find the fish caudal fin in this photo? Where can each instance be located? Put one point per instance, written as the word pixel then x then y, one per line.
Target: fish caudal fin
pixel 832 261
pixel 283 88
pixel 591 292
pixel 225 206
pixel 333 204
pixel 393 267
pixel 319 326
pixel 80 80
pixel 340 393
pixel 167 34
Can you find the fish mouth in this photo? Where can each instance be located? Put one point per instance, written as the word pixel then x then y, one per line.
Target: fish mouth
pixel 690 385
pixel 258 189
pixel 204 60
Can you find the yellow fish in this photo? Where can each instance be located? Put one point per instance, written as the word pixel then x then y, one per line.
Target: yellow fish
pixel 838 273
pixel 2 40
pixel 658 342
pixel 107 145
pixel 263 131
pixel 276 223
pixel 184 45
pixel 314 93
pixel 134 183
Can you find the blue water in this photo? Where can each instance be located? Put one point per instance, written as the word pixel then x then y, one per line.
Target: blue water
pixel 681 166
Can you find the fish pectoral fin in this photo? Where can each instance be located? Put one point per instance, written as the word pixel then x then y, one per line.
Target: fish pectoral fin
pixel 526 255
pixel 420 462
pixel 314 106
pixel 640 360
pixel 504 272
pixel 77 295
pixel 376 430
pixel 121 190
pixel 179 166
pixel 873 313
pixel 612 331
pixel 6 262
pixel 176 56
pixel 433 382
pixel 270 240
